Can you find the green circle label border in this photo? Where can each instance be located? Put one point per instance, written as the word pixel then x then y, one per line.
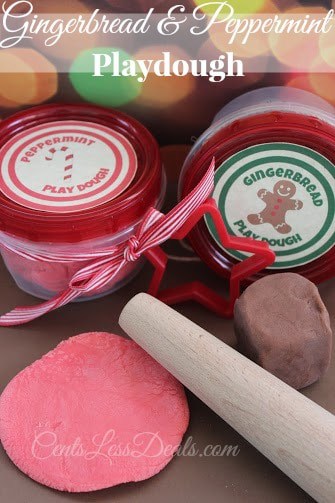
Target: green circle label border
pixel 329 167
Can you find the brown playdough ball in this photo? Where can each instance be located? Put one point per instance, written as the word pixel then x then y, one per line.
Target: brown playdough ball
pixel 282 324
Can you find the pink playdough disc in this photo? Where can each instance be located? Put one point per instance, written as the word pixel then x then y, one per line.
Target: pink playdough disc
pixel 95 412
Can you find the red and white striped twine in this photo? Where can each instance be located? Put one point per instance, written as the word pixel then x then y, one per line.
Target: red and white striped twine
pixel 155 229
pixel 68 161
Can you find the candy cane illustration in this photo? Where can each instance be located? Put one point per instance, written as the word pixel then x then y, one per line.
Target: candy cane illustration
pixel 68 159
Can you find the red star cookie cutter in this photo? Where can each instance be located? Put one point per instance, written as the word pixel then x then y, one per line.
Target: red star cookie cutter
pixel 262 257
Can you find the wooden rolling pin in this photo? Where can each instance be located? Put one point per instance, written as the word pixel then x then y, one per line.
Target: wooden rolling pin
pixel 296 434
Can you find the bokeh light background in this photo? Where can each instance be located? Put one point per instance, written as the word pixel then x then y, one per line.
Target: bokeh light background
pixel 175 109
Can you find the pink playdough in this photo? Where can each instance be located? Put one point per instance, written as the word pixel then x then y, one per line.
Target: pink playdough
pixel 95 412
pixel 54 277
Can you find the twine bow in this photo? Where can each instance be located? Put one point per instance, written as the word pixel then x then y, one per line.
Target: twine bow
pixel 104 265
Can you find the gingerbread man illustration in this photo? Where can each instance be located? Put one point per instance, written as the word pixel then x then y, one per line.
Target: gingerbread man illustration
pixel 277 204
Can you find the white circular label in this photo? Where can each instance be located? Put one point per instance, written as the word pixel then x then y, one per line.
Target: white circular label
pixel 282 194
pixel 66 166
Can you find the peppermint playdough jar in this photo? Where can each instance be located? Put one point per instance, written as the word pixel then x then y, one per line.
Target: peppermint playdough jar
pixel 274 182
pixel 74 180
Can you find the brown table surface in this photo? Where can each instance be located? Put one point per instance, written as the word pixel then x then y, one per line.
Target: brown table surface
pixel 248 477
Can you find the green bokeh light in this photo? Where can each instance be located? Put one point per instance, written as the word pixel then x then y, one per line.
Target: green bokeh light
pixel 239 6
pixel 108 90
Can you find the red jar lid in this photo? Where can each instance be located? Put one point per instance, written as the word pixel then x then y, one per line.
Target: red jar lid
pixel 75 172
pixel 255 185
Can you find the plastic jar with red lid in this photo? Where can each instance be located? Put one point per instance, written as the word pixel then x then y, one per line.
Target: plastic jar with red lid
pixel 74 180
pixel 274 182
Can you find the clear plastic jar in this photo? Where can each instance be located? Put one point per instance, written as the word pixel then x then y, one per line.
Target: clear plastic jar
pixel 75 180
pixel 275 180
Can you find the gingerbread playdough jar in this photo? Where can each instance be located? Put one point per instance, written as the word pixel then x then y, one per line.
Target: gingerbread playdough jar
pixel 75 181
pixel 274 182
